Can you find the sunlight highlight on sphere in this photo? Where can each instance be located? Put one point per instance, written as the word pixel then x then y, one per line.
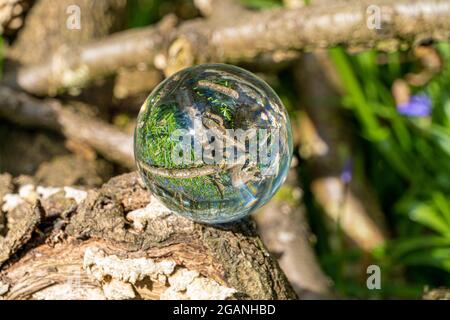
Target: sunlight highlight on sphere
pixel 213 142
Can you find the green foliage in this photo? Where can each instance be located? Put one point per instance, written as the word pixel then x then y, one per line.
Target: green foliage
pixel 146 12
pixel 262 4
pixel 408 163
pixel 143 12
pixel 220 103
pixel 160 125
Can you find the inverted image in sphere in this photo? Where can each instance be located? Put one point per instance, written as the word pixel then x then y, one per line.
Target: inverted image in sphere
pixel 213 142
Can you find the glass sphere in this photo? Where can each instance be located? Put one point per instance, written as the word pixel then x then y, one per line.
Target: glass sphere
pixel 213 142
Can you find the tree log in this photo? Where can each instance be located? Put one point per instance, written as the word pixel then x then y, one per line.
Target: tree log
pixel 119 242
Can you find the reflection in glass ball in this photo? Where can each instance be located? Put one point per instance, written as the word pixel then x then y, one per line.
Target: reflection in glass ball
pixel 213 142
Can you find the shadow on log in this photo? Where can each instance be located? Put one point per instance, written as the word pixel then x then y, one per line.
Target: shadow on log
pixel 119 242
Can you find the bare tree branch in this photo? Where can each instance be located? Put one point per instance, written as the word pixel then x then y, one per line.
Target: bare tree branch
pixel 103 137
pixel 352 204
pixel 45 29
pixel 242 38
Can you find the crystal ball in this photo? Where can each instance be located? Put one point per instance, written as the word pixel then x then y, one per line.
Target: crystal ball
pixel 213 143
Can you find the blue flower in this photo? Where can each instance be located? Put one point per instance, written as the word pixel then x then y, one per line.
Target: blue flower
pixel 417 106
pixel 347 171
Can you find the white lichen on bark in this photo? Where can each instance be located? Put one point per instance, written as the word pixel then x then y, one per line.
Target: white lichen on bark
pixel 30 193
pixel 118 290
pixel 67 291
pixel 10 201
pixel 100 265
pixel 118 277
pixel 187 284
pixel 46 192
pixel 76 194
pixel 154 210
pixel 4 287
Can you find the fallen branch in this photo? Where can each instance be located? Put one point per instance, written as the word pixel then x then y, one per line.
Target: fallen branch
pixel 105 138
pixel 239 39
pixel 351 205
pixel 121 243
pixel 77 66
pixel 46 28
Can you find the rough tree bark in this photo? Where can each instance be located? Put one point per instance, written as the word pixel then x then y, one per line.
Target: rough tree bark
pixel 119 242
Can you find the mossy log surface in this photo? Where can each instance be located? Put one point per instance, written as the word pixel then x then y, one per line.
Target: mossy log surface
pixel 119 242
